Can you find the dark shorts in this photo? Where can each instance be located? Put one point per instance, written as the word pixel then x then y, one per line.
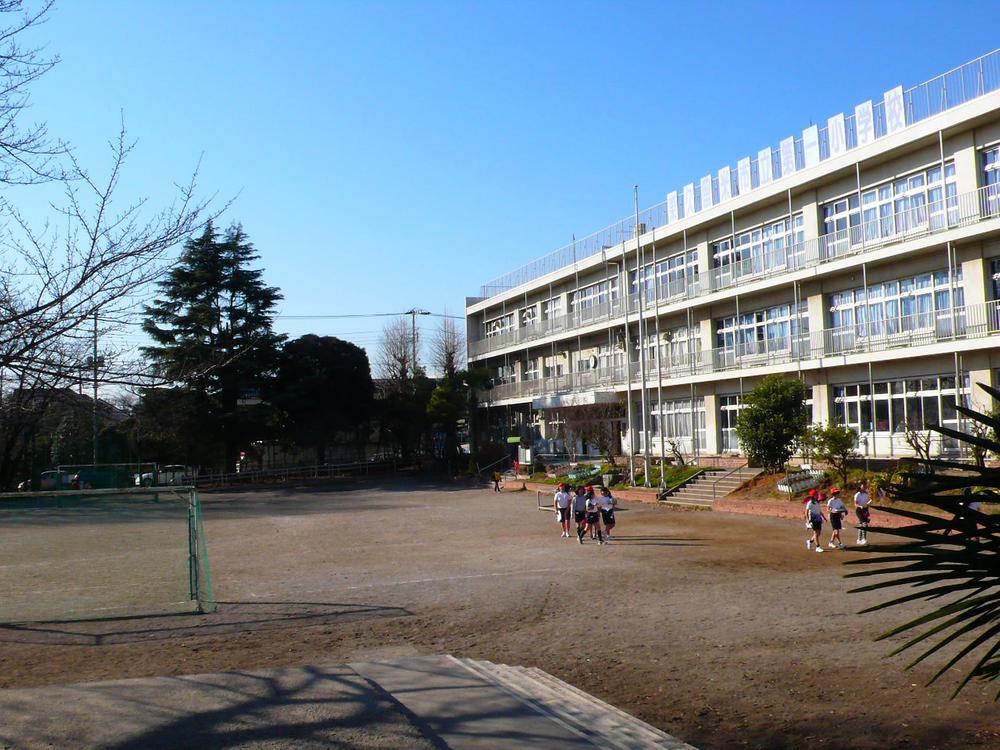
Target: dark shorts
pixel 836 521
pixel 864 515
pixel 564 514
pixel 580 516
pixel 816 525
pixel 608 516
pixel 592 517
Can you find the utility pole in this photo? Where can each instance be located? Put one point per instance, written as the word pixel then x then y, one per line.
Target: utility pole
pixel 95 389
pixel 413 312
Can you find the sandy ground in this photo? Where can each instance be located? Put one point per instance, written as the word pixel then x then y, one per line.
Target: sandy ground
pixel 719 628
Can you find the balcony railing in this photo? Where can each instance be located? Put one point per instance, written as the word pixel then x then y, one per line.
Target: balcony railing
pixel 906 332
pixel 918 221
pixel 946 91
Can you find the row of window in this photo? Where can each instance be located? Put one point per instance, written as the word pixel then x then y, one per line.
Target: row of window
pixel 925 198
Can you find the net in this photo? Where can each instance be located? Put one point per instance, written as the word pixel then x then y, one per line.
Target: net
pixel 89 554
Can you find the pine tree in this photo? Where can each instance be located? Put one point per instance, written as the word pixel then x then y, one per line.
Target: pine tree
pixel 212 324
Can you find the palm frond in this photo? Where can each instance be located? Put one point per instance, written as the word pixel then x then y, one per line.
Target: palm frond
pixel 949 555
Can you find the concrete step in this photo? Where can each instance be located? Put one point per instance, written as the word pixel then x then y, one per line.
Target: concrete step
pixel 467 711
pixel 599 730
pixel 663 739
pixel 606 725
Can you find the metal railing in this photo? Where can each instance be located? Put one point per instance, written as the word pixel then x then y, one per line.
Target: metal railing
pixel 919 329
pixel 946 91
pixel 715 482
pixel 949 213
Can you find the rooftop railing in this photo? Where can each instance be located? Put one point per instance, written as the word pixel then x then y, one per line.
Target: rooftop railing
pixel 946 91
pixel 907 332
pixel 915 222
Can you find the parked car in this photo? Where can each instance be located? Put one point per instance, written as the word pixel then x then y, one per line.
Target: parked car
pixel 56 480
pixel 166 476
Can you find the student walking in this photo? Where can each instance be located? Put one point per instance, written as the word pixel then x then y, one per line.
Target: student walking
pixel 838 511
pixel 607 504
pixel 864 515
pixel 561 503
pixel 496 481
pixel 580 513
pixel 814 521
pixel 594 516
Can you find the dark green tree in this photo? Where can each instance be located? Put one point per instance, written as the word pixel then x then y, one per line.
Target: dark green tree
pixel 773 418
pixel 835 444
pixel 324 390
pixel 449 403
pixel 212 327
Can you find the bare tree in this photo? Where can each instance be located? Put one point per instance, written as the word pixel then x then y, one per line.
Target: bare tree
pixel 922 443
pixel 599 424
pixel 394 360
pixel 448 348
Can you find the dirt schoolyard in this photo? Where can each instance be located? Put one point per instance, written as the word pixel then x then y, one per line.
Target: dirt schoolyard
pixel 720 628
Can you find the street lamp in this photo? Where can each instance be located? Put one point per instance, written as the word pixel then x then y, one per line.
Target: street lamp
pixel 413 312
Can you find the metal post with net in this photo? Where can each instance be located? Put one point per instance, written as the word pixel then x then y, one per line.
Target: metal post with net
pixel 93 554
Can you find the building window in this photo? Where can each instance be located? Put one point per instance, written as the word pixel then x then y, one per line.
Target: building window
pixel 769 247
pixel 677 420
pixel 529 315
pixel 531 370
pixel 499 326
pixel 594 299
pixel 552 308
pixel 916 303
pixel 893 407
pixel 762 332
pixel 916 202
pixel 504 375
pixel 991 180
pixel 729 408
pixel 673 276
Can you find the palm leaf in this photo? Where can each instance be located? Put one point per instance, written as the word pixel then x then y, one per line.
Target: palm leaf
pixel 952 557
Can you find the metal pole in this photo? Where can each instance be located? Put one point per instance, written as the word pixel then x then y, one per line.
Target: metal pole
pixel 413 340
pixel 95 392
pixel 628 379
pixel 643 329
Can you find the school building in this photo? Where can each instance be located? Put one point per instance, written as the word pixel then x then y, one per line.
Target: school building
pixel 862 257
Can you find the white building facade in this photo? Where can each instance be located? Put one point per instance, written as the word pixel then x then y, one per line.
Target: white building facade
pixel 862 257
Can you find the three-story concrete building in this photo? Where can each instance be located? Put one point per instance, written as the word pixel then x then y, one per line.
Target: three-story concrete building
pixel 862 257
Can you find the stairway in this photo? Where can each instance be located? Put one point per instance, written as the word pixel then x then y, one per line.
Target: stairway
pixel 700 493
pixel 469 704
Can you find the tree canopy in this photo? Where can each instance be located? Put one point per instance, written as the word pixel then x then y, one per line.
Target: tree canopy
pixel 772 419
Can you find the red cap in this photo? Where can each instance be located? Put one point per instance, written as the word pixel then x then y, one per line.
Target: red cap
pixel 834 490
pixel 562 484
pixel 590 488
pixel 812 493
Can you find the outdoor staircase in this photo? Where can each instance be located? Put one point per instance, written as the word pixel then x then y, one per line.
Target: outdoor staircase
pixel 602 724
pixel 705 488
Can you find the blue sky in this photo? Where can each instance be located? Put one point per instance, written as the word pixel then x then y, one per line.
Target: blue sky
pixel 386 155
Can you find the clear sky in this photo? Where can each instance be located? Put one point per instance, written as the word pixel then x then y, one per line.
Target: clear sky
pixel 386 155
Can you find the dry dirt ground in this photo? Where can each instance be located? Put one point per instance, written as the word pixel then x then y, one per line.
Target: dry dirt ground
pixel 722 629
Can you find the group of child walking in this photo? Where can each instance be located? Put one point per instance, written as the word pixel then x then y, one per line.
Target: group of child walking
pixel 838 511
pixel 589 512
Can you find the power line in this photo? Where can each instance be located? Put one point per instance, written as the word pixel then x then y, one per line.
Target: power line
pixel 362 315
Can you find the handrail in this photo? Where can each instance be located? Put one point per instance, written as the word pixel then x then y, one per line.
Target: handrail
pixel 729 473
pixel 970 81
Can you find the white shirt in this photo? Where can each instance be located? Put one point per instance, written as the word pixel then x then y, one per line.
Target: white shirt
pixel 836 505
pixel 815 510
pixel 606 502
pixel 579 502
pixel 861 499
pixel 563 499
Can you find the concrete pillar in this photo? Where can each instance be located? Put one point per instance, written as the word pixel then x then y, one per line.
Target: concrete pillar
pixel 963 148
pixel 810 214
pixel 821 403
pixel 817 316
pixel 975 274
pixel 711 446
pixel 706 334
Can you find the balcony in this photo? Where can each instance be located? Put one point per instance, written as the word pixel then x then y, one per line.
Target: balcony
pixel 908 332
pixel 920 221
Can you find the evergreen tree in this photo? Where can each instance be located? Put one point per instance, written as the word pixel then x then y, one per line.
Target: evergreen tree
pixel 212 324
